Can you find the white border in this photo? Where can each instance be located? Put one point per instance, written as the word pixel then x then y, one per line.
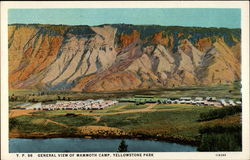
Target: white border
pixel 243 5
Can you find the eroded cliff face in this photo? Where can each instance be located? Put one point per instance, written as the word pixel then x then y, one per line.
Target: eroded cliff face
pixel 120 57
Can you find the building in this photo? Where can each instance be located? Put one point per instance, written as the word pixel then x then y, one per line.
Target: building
pixel 231 102
pixel 211 98
pixel 198 99
pixel 185 98
pixel 35 106
pixel 238 102
pixel 223 103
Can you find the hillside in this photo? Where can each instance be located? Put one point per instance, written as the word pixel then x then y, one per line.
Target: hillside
pixel 121 57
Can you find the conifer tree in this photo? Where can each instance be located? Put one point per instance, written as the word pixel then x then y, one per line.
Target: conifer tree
pixel 123 147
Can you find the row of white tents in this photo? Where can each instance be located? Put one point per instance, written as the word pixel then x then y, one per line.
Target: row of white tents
pixel 74 105
pixel 209 101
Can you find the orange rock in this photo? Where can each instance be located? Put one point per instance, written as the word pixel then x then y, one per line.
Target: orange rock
pixel 204 44
pixel 236 49
pixel 157 38
pixel 51 55
pixel 128 39
pixel 82 82
pixel 37 61
pixel 116 81
pixel 185 47
pixel 168 41
pixel 180 34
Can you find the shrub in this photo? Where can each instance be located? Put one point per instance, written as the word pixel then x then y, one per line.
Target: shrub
pixel 13 123
pixel 221 138
pixel 219 113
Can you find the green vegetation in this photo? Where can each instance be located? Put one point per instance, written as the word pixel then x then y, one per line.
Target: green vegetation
pixel 76 120
pixel 133 106
pixel 114 108
pixel 220 91
pixel 219 113
pixel 223 133
pixel 42 123
pixel 219 129
pixel 21 92
pixel 221 138
pixel 176 106
pixel 13 104
pixel 123 147
pixel 13 123
pixel 193 34
pixel 196 32
pixel 26 125
pixel 181 123
pixel 141 100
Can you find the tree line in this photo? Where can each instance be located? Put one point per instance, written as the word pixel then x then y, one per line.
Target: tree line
pixel 219 113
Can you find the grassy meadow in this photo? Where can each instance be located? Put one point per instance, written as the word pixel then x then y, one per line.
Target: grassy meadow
pixel 220 91
pixel 182 122
pixel 198 125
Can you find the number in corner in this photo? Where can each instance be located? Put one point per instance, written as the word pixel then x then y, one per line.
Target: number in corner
pixel 221 155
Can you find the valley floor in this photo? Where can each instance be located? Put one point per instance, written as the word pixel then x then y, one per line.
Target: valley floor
pixel 167 122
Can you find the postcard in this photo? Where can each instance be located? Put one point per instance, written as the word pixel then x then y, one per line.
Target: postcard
pixel 124 80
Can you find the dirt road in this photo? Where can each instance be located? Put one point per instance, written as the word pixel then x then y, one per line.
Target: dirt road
pixel 18 112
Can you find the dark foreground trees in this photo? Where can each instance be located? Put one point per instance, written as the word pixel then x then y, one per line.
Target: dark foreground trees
pixel 13 122
pixel 221 138
pixel 123 147
pixel 220 113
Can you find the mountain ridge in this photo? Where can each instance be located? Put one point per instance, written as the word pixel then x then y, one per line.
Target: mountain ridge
pixel 121 57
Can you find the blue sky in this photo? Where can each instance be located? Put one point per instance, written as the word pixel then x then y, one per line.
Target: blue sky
pixel 208 17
